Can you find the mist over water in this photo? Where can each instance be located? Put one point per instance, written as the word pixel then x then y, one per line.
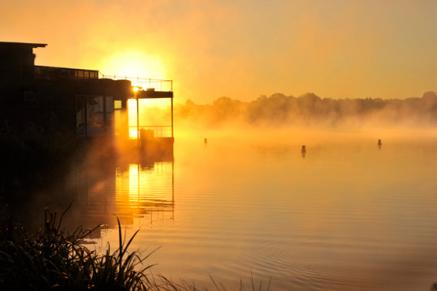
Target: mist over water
pixel 348 214
pixel 310 110
pixel 117 121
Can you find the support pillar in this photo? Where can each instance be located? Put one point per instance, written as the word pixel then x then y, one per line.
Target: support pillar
pixel 172 130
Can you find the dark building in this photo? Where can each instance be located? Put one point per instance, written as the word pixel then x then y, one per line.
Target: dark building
pixel 49 115
pixel 17 63
pixel 46 100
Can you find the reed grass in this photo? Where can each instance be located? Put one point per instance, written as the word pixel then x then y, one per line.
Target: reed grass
pixel 54 259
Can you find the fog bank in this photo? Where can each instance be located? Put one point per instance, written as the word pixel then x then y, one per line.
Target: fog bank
pixel 310 110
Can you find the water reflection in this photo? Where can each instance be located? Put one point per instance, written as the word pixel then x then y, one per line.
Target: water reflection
pixel 142 191
pixel 348 217
pixel 127 188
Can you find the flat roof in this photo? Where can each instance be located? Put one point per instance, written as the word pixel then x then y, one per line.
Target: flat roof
pixel 22 44
pixel 65 68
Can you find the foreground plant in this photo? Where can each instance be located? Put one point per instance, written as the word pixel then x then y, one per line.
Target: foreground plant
pixel 53 259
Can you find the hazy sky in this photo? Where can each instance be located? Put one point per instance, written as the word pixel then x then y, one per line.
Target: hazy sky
pixel 241 48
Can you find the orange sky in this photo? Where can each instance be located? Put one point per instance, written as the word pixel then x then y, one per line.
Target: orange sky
pixel 241 48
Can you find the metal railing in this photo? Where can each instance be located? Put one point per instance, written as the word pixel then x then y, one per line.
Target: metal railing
pixel 157 130
pixel 145 83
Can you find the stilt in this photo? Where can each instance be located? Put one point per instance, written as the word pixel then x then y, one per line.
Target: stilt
pixel 172 130
pixel 138 120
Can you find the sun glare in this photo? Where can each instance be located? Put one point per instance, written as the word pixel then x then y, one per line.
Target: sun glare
pixel 134 65
pixel 132 118
pixel 139 68
pixel 151 112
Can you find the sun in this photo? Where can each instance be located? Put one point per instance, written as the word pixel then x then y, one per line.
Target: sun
pixel 134 66
pixel 144 71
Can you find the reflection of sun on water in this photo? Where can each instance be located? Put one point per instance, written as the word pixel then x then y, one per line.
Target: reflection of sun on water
pixel 134 182
pixel 141 189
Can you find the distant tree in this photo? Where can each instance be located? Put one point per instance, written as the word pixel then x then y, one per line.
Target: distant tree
pixel 279 109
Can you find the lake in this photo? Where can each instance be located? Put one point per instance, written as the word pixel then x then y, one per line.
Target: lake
pixel 346 216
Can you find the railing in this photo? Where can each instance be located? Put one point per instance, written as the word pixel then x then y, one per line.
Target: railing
pixel 145 83
pixel 158 130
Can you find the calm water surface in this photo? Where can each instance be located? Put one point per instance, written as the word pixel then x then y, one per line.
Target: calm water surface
pixel 347 216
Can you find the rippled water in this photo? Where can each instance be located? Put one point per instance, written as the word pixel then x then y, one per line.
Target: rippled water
pixel 347 216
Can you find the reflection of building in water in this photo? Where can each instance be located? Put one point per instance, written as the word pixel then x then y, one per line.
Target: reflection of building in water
pixel 142 191
pixel 128 190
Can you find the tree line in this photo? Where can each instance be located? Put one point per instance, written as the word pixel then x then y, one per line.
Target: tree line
pixel 310 109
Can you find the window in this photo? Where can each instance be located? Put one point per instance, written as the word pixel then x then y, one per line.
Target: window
pixel 117 105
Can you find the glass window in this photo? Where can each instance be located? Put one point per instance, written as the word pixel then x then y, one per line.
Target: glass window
pixel 117 104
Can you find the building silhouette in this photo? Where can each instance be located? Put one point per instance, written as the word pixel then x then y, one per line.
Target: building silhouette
pixel 74 102
pixel 51 116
